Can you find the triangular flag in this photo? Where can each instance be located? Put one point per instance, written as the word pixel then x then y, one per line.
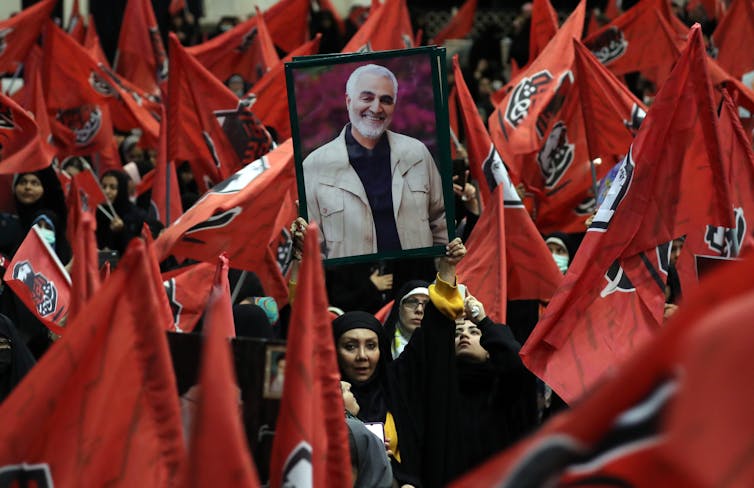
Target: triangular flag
pixel 459 25
pixel 19 34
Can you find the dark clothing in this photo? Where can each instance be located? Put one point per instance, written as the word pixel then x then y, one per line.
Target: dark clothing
pixel 15 361
pixel 375 173
pixel 498 397
pixel 416 389
pixel 349 288
pixel 132 216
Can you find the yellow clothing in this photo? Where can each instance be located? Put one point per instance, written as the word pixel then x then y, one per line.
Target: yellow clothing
pixel 446 298
pixel 391 433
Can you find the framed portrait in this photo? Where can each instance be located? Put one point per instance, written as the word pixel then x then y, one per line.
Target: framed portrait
pixel 372 152
pixel 274 371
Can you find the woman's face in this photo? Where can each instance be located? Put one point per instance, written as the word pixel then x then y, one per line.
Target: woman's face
pixel 358 354
pixel 110 187
pixel 468 343
pixel 29 189
pixel 411 312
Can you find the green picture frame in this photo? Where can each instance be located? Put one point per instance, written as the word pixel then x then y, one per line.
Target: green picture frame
pixel 319 116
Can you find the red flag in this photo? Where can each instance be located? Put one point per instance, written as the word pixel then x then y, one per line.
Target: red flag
pixel 311 441
pixel 166 197
pixel 141 57
pixel 187 294
pixel 271 104
pixel 459 25
pixel 612 10
pixel 76 27
pixel 247 203
pixel 85 275
pixel 84 94
pixel 649 424
pixel 613 294
pixel 101 407
pixel 90 191
pixel 92 43
pixel 388 27
pixel 208 125
pixel 21 148
pixel 19 33
pixel 32 98
pixel 287 21
pixel 176 6
pixel 531 272
pixel 639 40
pixel 219 454
pixel 544 26
pixel 733 32
pixel 40 281
pixel 246 50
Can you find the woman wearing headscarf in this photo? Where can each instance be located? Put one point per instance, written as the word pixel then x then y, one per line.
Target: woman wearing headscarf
pixel 414 395
pixel 498 394
pixel 406 315
pixel 115 231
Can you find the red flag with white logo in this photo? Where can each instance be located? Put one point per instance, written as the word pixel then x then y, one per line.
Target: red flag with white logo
pixel 311 439
pixel 612 297
pixel 19 34
pixel 188 290
pixel 141 56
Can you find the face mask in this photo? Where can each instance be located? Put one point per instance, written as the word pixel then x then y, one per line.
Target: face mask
pixel 561 262
pixel 48 235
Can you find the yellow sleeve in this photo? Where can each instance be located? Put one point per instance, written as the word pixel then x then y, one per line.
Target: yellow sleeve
pixel 446 298
pixel 291 291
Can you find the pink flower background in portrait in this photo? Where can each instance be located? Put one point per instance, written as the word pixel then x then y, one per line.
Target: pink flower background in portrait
pixel 321 101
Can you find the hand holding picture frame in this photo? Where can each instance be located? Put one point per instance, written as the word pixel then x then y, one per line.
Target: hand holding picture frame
pixel 372 152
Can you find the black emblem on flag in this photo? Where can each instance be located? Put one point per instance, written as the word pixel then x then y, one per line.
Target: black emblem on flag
pixel 609 46
pixel 616 281
pixel 523 96
pixel 724 241
pixel 101 85
pixel 556 155
pixel 586 207
pixel 297 470
pixel 85 122
pixel 175 306
pixel 284 248
pixel 44 293
pixel 36 475
pixel 6 118
pixel 615 194
pixel 245 132
pixel 637 117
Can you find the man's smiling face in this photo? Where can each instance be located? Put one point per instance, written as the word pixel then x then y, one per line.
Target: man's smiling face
pixel 371 107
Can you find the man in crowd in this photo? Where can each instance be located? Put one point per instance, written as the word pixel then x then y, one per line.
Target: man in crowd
pixel 373 190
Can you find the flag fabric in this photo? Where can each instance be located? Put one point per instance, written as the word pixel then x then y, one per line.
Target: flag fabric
pixel 734 31
pixel 101 407
pixel 311 441
pixel 76 27
pixel 218 452
pixel 459 26
pixel 40 281
pixel 271 105
pixel 287 22
pixel 649 424
pixel 166 197
pixel 246 50
pixel 21 148
pixel 208 125
pixel 247 203
pixel 530 271
pixel 92 43
pixel 19 34
pixel 388 27
pixel 612 297
pixel 544 25
pixel 141 57
pixel 90 190
pixel 639 40
pixel 188 294
pixel 176 6
pixel 87 99
pixel 32 98
pixel 85 276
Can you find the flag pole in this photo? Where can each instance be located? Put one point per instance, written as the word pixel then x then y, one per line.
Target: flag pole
pixel 16 76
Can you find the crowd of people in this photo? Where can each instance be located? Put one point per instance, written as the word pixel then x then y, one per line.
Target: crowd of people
pixel 439 379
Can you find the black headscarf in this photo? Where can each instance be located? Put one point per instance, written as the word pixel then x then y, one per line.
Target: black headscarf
pixel 251 321
pixel 369 394
pixel 21 359
pixel 52 199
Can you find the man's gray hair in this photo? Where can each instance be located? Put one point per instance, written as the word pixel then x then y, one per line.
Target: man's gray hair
pixel 374 69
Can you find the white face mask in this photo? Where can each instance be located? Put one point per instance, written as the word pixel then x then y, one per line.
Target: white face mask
pixel 561 262
pixel 48 235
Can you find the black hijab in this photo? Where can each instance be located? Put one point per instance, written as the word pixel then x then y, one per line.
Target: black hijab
pixel 369 394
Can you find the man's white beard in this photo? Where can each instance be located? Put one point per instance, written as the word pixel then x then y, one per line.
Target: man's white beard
pixel 365 128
